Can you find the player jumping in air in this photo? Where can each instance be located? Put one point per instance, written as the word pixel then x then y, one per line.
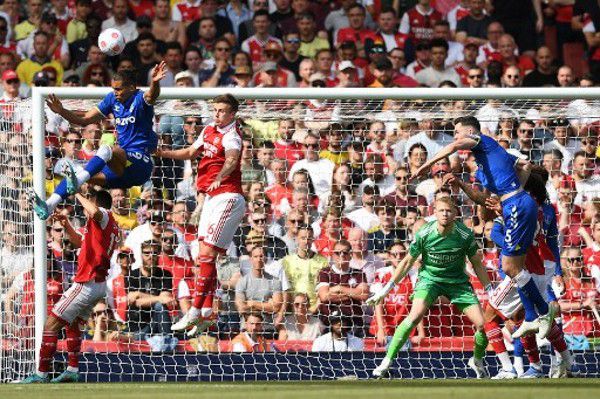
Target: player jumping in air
pixel 219 177
pixel 125 165
pixel 97 244
pixel 504 174
pixel 443 245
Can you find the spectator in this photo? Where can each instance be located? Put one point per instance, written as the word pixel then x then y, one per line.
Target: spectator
pixel 587 184
pixel 97 75
pixel 525 143
pixel 569 214
pixel 180 219
pixel 285 147
pixel 552 162
pixel 300 325
pixel 365 217
pixel 473 27
pixel 507 48
pixel 58 48
pixel 387 23
pixel 383 74
pixel 363 259
pixel 330 233
pixel 120 21
pixel 342 190
pixel 283 77
pixel 310 43
pixel 338 19
pixel 395 306
pixel 293 220
pixel 457 13
pixel 121 210
pixel 180 269
pixel 429 187
pixel 490 51
pixel 38 60
pixel 258 291
pixel 544 74
pixel 334 151
pixel 356 31
pixel 375 175
pixel 418 22
pixel 10 86
pixel 563 141
pixel 565 76
pixel 319 170
pixel 475 77
pixel 206 39
pixel 174 59
pixel 34 9
pixel 79 48
pixel 306 70
pixel 342 289
pixel 259 228
pixel 441 30
pixel 281 189
pixel 164 27
pixel 422 59
pixel 95 58
pixel 401 197
pixel 255 44
pixel 339 338
pixel 437 72
pixel 102 326
pixel 186 11
pixel 242 76
pixel 220 74
pixel 291 57
pixel 379 241
pixel 251 339
pixel 469 62
pixel 149 295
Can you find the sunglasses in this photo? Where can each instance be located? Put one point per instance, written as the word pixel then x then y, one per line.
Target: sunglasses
pixel 293 41
pixel 148 253
pixel 71 141
pixel 260 221
pixel 155 222
pixel 58 229
pixel 13 81
pixel 397 254
pixel 311 145
pixel 400 178
pixel 512 76
pixel 168 239
pixel 341 253
pixel 295 221
pixel 222 49
pixel 575 259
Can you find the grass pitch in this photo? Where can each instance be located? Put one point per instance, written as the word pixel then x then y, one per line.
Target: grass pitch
pixel 413 389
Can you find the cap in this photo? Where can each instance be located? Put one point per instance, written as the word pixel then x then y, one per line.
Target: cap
pixel 9 74
pixel 370 190
pixel 269 66
pixel 71 77
pixel 48 18
pixel 346 65
pixel 559 122
pixel 41 79
pixel 315 77
pixel 157 216
pixel 143 21
pixel 383 64
pixel 243 70
pixel 183 75
pixel 437 168
pixel 335 317
pixel 272 46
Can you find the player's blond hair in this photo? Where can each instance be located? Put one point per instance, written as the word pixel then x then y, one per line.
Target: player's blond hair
pixel 446 200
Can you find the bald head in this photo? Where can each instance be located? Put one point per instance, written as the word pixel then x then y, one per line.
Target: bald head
pixel 543 58
pixel 358 239
pixel 565 76
pixel 506 46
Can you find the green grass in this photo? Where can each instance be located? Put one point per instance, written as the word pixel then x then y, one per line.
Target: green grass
pixel 409 389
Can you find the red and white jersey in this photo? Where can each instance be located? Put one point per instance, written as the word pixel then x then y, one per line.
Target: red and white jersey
pixel 538 251
pixel 255 46
pixel 591 258
pixel 397 303
pixel 487 54
pixel 214 141
pixel 414 67
pixel 99 241
pixel 419 24
pixel 352 35
pixel 392 41
pixel 186 11
pixel 456 14
pixel 589 27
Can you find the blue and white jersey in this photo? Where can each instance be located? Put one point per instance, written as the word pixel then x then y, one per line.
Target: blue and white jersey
pixel 133 120
pixel 496 167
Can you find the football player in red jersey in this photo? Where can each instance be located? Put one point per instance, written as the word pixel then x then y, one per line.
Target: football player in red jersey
pixel 97 244
pixel 220 180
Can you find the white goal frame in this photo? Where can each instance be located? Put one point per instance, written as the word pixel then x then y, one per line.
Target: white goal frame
pixel 39 95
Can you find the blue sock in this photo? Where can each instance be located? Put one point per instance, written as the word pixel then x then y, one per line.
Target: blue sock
pixel 95 165
pixel 532 291
pixel 61 189
pixel 530 313
pixel 518 350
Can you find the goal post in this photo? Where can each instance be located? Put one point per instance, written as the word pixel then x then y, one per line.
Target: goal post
pixel 429 100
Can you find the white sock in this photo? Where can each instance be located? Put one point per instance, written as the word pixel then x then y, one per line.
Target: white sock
pixel 73 369
pixel 567 358
pixel 82 176
pixel 505 361
pixel 206 312
pixel 522 278
pixel 518 364
pixel 42 374
pixel 53 201
pixel 194 312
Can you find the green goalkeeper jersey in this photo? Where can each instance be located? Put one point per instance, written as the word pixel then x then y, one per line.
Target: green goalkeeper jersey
pixel 443 255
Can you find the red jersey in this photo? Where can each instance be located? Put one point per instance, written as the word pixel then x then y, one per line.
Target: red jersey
pixel 254 46
pixel 419 25
pixel 591 258
pixel 186 11
pixel 119 291
pixel 97 246
pixel 143 7
pixel 352 35
pixel 179 268
pixel 399 40
pixel 214 141
pixel 291 152
pixel 578 322
pixel 534 258
pixel 396 304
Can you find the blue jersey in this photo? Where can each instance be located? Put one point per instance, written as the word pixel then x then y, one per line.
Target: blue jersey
pixel 133 121
pixel 496 167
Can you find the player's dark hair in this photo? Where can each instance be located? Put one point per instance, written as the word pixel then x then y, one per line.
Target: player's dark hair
pixel 127 77
pixel 305 15
pixel 228 99
pixel 468 121
pixel 102 197
pixel 536 186
pixel 41 33
pixel 555 153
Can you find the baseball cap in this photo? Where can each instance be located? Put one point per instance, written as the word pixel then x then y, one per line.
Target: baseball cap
pixel 272 46
pixel 316 77
pixel 377 48
pixel 41 79
pixel 124 251
pixel 183 75
pixel 9 74
pixel 269 66
pixel 383 64
pixel 243 70
pixel 346 65
pixel 435 169
pixel 559 122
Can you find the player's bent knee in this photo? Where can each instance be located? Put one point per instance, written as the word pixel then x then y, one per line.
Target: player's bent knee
pixel 53 324
pixel 104 152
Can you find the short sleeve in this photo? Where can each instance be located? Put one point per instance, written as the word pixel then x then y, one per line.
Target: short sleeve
pixel 104 221
pixel 106 105
pixel 472 247
pixel 199 143
pixel 232 141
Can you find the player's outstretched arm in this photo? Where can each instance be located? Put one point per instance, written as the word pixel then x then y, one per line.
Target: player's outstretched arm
pixel 92 116
pixel 90 207
pixel 465 143
pixel 158 73
pixel 476 196
pixel 403 267
pixel 181 154
pixel 72 234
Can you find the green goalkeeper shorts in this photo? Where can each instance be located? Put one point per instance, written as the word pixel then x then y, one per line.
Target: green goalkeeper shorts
pixel 460 294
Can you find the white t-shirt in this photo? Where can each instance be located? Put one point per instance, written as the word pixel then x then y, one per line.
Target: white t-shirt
pixel 364 219
pixel 326 343
pixel 320 172
pixel 311 331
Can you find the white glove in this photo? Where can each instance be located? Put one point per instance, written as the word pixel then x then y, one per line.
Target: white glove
pixel 379 296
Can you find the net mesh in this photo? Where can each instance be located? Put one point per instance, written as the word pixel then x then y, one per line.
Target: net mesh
pixel 303 162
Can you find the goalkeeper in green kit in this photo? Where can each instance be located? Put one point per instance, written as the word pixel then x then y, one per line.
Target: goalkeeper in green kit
pixel 443 244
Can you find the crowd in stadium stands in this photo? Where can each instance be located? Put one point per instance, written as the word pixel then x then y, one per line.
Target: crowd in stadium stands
pixel 330 208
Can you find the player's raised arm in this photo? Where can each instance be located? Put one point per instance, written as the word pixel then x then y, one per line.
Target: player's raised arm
pixel 403 268
pixel 479 197
pixel 92 116
pixel 72 234
pixel 90 207
pixel 464 143
pixel 158 73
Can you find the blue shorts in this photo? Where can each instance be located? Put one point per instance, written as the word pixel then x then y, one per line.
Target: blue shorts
pixel 520 213
pixel 137 171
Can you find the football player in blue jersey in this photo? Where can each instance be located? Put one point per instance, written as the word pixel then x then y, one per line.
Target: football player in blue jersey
pixel 504 175
pixel 129 162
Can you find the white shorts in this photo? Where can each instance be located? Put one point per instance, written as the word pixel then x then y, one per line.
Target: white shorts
pixel 79 301
pixel 220 218
pixel 506 300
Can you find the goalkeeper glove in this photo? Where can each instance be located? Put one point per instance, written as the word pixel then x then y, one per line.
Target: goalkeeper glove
pixel 379 296
pixel 489 289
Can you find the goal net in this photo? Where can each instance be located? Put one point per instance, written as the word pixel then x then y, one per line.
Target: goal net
pixel 291 302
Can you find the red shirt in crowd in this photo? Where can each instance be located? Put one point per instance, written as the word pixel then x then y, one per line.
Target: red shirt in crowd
pixel 291 151
pixel 396 304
